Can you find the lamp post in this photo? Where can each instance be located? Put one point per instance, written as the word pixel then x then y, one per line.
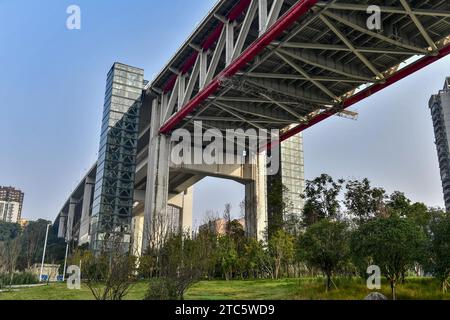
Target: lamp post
pixel 65 261
pixel 43 253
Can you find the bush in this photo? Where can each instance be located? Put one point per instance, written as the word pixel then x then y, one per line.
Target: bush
pixel 23 278
pixel 161 289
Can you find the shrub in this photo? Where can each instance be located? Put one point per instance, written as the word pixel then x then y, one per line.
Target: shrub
pixel 23 278
pixel 162 289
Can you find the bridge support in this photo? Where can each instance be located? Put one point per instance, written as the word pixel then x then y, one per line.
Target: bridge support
pixel 157 187
pixel 70 219
pixel 86 211
pixel 256 199
pixel 184 202
pixel 62 225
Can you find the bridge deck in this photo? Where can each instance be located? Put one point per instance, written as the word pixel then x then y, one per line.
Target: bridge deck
pixel 311 63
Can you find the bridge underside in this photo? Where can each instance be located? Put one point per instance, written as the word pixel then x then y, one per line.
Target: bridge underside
pixel 274 64
pixel 249 70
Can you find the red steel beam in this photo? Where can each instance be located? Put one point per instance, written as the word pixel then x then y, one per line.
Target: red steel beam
pixel 237 10
pixel 403 73
pixel 287 20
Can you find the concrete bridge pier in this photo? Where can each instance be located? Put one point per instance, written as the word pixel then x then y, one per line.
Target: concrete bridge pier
pixel 86 211
pixel 256 199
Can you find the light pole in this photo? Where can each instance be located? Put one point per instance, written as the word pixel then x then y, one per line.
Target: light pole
pixel 43 253
pixel 65 261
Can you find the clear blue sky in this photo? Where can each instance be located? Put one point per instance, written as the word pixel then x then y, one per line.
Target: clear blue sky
pixel 52 84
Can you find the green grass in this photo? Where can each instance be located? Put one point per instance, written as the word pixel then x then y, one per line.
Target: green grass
pixel 289 289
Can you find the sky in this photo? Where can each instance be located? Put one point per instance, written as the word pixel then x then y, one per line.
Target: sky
pixel 52 83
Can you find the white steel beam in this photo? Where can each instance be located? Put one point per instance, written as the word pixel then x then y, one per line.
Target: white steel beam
pixel 245 28
pixel 306 75
pixel 216 57
pixel 203 56
pixel 351 47
pixel 284 107
pixel 335 47
pixel 299 77
pixel 380 36
pixel 419 26
pixel 262 16
pixel 235 114
pixel 386 9
pixel 191 83
pixel 329 67
pixel 274 13
pixel 229 47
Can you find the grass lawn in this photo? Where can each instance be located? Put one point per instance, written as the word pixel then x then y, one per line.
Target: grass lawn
pixel 290 289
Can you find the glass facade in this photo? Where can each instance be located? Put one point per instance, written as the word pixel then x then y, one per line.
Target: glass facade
pixel 112 208
pixel 440 111
pixel 292 173
pixel 290 181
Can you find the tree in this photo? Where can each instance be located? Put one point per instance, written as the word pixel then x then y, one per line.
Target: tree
pixel 321 195
pixel 33 242
pixel 227 256
pixel 399 204
pixel 281 249
pixel 184 261
pixel 325 245
pixel 421 215
pixel 109 274
pixel 9 253
pixel 256 259
pixel 439 249
pixel 394 244
pixel 278 205
pixel 9 230
pixel 362 201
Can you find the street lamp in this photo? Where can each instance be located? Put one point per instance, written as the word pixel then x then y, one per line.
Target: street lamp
pixel 43 253
pixel 65 261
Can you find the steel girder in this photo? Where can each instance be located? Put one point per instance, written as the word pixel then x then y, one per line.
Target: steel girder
pixel 303 60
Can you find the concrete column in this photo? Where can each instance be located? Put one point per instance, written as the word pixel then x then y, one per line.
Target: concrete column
pixel 157 189
pixel 138 231
pixel 62 225
pixel 187 210
pixel 86 211
pixel 256 200
pixel 70 219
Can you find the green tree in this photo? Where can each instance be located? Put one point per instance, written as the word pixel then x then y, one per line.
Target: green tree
pixel 32 239
pixel 9 230
pixel 227 256
pixel 399 204
pixel 256 259
pixel 439 249
pixel 394 244
pixel 281 249
pixel 362 201
pixel 278 205
pixel 325 245
pixel 184 260
pixel 321 199
pixel 421 215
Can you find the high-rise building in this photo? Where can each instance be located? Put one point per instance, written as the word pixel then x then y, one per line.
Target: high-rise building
pixel 284 189
pixel 112 209
pixel 440 112
pixel 292 173
pixel 11 202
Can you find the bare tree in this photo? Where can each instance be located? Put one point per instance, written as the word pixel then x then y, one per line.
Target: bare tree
pixel 109 274
pixel 9 254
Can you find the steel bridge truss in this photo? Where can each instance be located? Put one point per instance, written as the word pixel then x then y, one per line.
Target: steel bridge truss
pixel 273 63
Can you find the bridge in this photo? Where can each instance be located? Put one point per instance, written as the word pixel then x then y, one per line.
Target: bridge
pixel 281 65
